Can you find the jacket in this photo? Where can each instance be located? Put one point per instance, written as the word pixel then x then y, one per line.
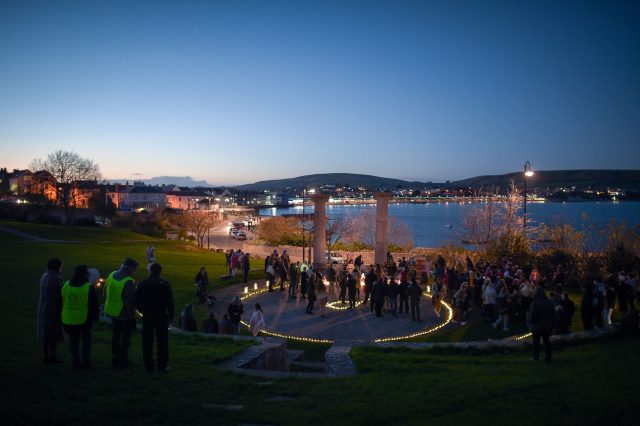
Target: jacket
pixel 541 313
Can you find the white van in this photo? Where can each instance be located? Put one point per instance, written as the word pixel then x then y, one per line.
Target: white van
pixel 336 258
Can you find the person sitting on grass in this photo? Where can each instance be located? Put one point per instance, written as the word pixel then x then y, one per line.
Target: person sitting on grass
pixel 210 325
pixel 187 319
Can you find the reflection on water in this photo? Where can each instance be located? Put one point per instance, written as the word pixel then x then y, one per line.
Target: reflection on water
pixel 435 224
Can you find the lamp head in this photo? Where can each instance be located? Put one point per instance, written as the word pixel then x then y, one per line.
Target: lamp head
pixel 528 173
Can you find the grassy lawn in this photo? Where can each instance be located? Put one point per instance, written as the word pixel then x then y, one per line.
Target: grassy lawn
pixel 593 383
pixel 7 236
pixel 78 233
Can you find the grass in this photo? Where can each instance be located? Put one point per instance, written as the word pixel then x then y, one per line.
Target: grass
pixel 592 383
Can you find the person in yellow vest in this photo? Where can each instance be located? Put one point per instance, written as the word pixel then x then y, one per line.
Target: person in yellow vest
pixel 120 306
pixel 79 311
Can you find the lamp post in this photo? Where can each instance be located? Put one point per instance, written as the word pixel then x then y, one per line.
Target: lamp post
pixel 304 193
pixel 208 224
pixel 527 173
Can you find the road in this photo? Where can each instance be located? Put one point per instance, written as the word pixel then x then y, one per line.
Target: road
pixel 219 238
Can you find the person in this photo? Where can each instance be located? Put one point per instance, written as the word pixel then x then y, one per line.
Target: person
pixel 415 293
pixel 311 293
pixel 246 267
pixel 151 255
pixel 358 262
pixel 154 300
pixel 322 296
pixel 393 290
pixel 283 273
pixel 369 279
pixel 436 297
pixel 503 302
pixel 226 325
pixel 342 282
pixel 49 322
pixel 79 311
pixel 351 287
pixel 540 321
pixel 293 278
pixel 331 277
pixel 202 278
pixel 187 319
pixel 256 323
pixel 461 299
pixel 120 307
pixel 304 279
pixel 404 296
pixel 270 274
pixel 377 295
pixel 490 300
pixel 235 311
pixel 210 325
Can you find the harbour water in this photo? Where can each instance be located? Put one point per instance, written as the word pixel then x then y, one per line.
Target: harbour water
pixel 435 224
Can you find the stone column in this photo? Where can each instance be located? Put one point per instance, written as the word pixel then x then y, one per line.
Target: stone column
pixel 382 213
pixel 319 230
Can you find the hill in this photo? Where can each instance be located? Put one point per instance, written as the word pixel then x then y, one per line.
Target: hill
pixel 626 179
pixel 317 180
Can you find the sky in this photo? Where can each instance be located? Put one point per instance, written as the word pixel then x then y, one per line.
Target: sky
pixel 234 92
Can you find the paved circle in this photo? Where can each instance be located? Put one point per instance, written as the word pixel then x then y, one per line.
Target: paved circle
pixel 286 315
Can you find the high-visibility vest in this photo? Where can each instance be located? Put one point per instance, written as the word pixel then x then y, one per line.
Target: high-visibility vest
pixel 113 301
pixel 75 304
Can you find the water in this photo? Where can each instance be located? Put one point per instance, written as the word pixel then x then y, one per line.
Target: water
pixel 435 224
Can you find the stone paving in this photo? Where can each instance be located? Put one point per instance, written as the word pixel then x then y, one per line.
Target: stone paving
pixel 286 315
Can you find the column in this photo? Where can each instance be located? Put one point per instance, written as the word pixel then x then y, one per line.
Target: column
pixel 382 213
pixel 319 230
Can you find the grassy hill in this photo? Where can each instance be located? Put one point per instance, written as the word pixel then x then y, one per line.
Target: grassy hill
pixel 317 180
pixel 593 383
pixel 627 179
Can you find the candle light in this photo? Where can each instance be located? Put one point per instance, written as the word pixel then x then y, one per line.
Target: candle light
pixel 246 290
pixel 255 286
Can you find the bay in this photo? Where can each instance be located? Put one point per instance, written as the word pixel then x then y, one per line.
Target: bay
pixel 435 224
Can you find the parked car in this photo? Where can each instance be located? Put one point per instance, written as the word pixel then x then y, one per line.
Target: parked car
pixel 335 258
pixel 240 235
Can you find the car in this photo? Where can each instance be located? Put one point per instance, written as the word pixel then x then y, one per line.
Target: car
pixel 240 235
pixel 233 232
pixel 335 258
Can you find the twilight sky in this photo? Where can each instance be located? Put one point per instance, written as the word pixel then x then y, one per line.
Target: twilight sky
pixel 239 91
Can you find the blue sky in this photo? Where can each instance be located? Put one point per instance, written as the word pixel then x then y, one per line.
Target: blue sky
pixel 240 91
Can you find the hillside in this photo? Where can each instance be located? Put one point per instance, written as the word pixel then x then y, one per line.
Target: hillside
pixel 626 179
pixel 316 180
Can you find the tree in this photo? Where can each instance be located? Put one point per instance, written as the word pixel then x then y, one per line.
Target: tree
pixel 68 168
pixel 198 222
pixel 337 229
pixel 281 230
pixel 102 205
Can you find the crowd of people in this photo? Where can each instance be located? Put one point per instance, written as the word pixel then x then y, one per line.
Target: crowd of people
pixel 501 293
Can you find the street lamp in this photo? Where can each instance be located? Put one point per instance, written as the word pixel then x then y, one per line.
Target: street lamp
pixel 527 173
pixel 304 193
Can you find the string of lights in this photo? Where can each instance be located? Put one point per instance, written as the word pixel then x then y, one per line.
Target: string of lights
pixel 424 332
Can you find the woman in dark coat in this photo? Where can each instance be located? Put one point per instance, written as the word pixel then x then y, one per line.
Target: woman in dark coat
pixel 50 311
pixel 540 319
pixel 311 294
pixel 235 311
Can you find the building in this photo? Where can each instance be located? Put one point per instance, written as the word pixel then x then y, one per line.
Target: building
pixel 138 196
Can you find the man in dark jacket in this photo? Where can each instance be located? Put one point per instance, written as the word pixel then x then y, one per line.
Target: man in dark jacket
pixel 246 267
pixel 154 300
pixel 540 320
pixel 377 295
pixel 415 293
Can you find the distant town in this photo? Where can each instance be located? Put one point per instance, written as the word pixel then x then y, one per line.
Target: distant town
pixel 40 187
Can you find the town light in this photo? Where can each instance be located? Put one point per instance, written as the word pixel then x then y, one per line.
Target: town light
pixel 527 173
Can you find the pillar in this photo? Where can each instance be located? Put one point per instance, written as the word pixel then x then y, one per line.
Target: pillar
pixel 319 230
pixel 382 213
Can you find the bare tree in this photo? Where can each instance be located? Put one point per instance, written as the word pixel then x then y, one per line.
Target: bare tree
pixel 337 230
pixel 198 222
pixel 511 222
pixel 68 168
pixel 480 222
